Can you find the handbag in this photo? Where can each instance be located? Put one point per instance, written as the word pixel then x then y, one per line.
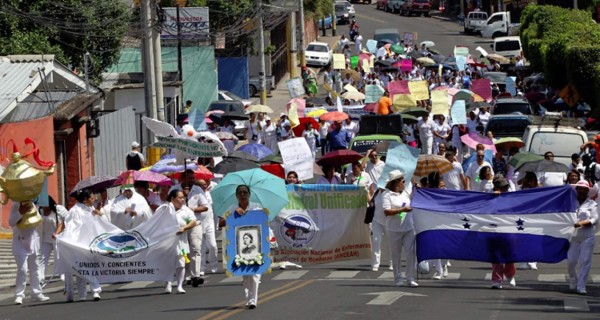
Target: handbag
pixel 370 212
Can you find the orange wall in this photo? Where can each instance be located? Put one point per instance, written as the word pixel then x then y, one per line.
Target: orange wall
pixel 42 132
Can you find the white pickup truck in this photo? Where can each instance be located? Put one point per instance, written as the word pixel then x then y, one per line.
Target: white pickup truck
pixel 499 25
pixel 475 21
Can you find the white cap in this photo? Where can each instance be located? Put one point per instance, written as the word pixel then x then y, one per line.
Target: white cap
pixel 282 115
pixel 267 118
pixel 135 144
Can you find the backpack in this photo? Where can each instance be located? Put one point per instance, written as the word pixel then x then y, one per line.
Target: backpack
pixel 590 173
pixel 370 213
pixel 133 162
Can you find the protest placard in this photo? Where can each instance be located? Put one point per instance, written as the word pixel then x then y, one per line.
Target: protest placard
pixel 419 90
pixel 439 102
pixel 511 85
pixel 401 101
pixel 410 38
pixel 482 87
pixel 295 87
pixel 406 65
pixel 458 112
pixel 339 61
pixel 398 86
pixel 297 157
pixel 373 92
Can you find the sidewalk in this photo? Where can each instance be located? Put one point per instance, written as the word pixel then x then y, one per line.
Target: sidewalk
pixel 450 17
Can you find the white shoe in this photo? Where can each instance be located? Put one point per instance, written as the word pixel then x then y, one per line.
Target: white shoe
pixel 496 285
pixel 202 273
pixel 97 296
pixel 213 270
pixel 581 291
pixel 448 264
pixel 40 298
pixel 573 283
pixel 168 288
pixel 19 300
pixel 436 276
pixel 374 269
pixel 512 282
pixel 532 265
pixel 413 284
pixel 445 272
pixel 391 268
pixel 180 290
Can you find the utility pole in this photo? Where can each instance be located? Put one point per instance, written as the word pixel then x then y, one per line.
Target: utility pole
pixel 293 46
pixel 148 62
pixel 157 54
pixel 302 28
pixel 86 65
pixel 575 4
pixel 180 3
pixel 462 6
pixel 261 53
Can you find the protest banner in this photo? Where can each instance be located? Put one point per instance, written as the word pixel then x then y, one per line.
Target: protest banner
pixel 398 86
pixel 399 157
pixel 403 101
pixel 511 86
pixel 482 87
pixel 297 157
pixel 373 92
pixel 458 112
pixel 321 224
pixel 295 87
pixel 339 61
pixel 419 89
pixel 461 51
pixel 95 248
pixel 406 65
pixel 192 147
pixel 439 102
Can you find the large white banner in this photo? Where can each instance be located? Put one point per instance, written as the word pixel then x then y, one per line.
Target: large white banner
pixel 94 248
pixel 322 223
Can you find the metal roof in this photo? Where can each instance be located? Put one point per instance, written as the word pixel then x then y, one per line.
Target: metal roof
pixel 38 105
pixel 21 76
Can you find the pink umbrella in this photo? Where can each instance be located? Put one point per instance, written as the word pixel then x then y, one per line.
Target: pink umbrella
pixel 148 176
pixel 300 106
pixel 452 91
pixel 473 139
pixel 214 112
pixel 208 120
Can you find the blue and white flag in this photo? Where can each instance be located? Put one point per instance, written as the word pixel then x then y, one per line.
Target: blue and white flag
pixel 529 225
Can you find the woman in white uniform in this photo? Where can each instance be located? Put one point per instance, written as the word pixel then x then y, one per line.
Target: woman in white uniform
pixel 25 249
pixel 583 240
pixel 242 193
pixel 52 216
pixel 395 203
pixel 186 221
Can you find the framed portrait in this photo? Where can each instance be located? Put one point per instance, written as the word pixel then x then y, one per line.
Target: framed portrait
pixel 248 241
pixel 246 249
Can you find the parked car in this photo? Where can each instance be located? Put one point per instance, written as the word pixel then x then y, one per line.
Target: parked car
pixel 509 47
pixel 475 21
pixel 224 95
pixel 390 34
pixel 394 6
pixel 341 14
pixel 499 24
pixel 349 7
pixel 230 106
pixel 255 85
pixel 416 6
pixel 381 4
pixel 363 1
pixel 328 22
pixel 563 141
pixel 318 54
pixel 512 105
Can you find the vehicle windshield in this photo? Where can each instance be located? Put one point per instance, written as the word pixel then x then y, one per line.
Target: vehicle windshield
pixel 507 46
pixel 362 146
pixel 388 36
pixel 508 108
pixel 340 8
pixel 508 127
pixel 562 144
pixel 316 48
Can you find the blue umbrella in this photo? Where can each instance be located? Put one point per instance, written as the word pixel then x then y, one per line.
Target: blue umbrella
pixel 265 189
pixel 257 150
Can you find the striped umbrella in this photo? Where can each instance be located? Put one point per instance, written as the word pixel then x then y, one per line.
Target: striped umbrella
pixel 428 163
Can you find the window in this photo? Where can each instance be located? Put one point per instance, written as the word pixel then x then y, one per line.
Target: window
pixel 508 46
pixel 495 19
pixel 562 144
pixel 316 48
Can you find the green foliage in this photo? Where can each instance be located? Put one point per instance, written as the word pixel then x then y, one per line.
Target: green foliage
pixel 67 28
pixel 318 8
pixel 565 45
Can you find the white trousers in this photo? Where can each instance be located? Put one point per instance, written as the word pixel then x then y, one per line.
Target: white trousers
pixel 81 286
pixel 400 241
pixel 44 258
pixel 195 255
pixel 579 258
pixel 210 245
pixel 377 233
pixel 25 263
pixel 251 288
pixel 426 145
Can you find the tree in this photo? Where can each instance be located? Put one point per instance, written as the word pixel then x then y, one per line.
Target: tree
pixel 67 28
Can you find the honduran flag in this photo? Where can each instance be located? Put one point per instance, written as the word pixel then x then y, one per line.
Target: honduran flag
pixel 522 226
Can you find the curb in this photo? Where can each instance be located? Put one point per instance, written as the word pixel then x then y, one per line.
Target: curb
pixel 5 235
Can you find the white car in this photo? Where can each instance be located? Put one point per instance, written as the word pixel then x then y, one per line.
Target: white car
pixel 228 96
pixel 318 54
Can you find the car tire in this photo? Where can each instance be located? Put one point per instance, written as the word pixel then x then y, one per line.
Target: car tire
pixel 253 90
pixel 427 14
pixel 467 31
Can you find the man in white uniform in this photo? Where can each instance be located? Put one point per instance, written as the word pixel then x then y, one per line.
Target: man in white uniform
pixel 551 179
pixel 473 171
pixel 373 167
pixel 455 178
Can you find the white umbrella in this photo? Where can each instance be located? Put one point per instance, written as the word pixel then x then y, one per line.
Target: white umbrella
pixel 351 95
pixel 428 44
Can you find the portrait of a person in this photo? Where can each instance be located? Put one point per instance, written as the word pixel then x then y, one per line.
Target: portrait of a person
pixel 248 241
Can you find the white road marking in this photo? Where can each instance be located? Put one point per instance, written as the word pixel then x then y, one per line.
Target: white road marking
pixel 135 285
pixel 389 297
pixel 556 277
pixel 576 304
pixel 290 275
pixel 342 274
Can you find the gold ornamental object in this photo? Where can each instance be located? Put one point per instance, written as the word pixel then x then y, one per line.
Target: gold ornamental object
pixel 22 182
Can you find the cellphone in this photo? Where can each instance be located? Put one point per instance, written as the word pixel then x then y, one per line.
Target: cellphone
pixel 133 207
